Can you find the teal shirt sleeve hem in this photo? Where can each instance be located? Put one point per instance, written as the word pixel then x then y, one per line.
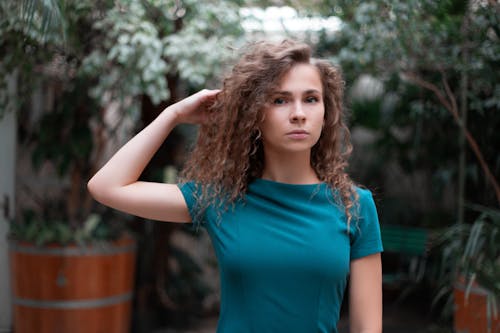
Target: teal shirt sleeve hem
pixel 365 236
pixel 188 192
pixel 361 254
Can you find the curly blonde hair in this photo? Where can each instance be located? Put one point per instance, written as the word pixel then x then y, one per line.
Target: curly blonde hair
pixel 228 154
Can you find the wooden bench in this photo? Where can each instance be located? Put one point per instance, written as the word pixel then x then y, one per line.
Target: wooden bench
pixel 405 253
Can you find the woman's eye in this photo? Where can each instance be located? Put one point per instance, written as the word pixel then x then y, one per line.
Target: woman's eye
pixel 312 99
pixel 279 101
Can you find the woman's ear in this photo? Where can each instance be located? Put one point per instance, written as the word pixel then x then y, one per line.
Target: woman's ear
pixel 262 117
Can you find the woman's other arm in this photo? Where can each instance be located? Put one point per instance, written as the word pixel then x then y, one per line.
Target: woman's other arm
pixel 365 295
pixel 116 184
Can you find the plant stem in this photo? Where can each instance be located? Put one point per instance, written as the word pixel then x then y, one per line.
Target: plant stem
pixel 450 104
pixel 461 138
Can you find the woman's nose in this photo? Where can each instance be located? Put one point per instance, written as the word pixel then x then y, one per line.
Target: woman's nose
pixel 297 113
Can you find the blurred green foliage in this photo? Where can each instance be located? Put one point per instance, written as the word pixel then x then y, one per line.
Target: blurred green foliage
pixel 83 56
pixel 409 46
pixel 470 252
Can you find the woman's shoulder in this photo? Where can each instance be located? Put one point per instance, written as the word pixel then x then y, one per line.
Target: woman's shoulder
pixel 363 192
pixel 365 201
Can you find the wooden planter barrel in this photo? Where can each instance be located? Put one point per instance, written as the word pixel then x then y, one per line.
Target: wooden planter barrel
pixel 72 289
pixel 471 314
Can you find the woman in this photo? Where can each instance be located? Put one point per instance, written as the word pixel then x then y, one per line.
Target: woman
pixel 267 180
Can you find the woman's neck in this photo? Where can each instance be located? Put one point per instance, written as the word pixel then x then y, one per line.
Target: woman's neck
pixel 293 168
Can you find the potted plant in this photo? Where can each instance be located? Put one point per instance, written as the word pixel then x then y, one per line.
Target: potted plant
pixel 71 267
pixel 70 287
pixel 71 262
pixel 92 64
pixel 470 272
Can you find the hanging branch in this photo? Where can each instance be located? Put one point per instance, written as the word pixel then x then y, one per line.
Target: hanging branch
pixel 450 104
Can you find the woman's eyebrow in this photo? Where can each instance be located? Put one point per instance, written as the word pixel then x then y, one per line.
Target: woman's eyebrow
pixel 282 92
pixel 312 91
pixel 288 93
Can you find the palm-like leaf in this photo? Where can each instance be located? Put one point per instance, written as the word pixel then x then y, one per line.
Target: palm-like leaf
pixel 43 17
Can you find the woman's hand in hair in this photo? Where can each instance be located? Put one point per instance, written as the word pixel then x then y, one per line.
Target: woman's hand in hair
pixel 193 109
pixel 117 183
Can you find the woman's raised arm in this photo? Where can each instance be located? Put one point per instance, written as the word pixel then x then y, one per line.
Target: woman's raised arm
pixel 115 184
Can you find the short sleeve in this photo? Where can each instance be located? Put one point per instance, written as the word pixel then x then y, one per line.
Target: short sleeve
pixel 365 227
pixel 191 192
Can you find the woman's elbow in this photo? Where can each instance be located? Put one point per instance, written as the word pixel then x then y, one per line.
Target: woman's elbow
pixel 96 189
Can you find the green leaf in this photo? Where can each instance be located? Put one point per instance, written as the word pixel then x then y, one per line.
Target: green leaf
pixel 90 225
pixel 64 233
pixel 32 231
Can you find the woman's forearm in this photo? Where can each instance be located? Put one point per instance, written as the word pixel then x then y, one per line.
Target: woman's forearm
pixel 127 164
pixel 116 185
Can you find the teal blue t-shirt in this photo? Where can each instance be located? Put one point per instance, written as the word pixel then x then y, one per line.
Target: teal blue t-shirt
pixel 283 254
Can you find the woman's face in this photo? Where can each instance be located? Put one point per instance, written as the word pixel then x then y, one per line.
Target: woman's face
pixel 293 117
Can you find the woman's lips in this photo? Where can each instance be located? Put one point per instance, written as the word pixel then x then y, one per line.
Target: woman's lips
pixel 297 134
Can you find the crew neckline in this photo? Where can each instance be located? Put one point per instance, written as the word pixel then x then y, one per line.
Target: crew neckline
pixel 269 181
